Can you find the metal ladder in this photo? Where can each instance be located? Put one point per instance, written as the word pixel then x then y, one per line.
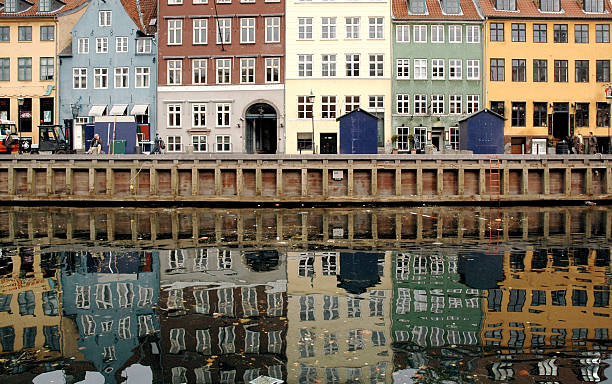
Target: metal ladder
pixel 495 219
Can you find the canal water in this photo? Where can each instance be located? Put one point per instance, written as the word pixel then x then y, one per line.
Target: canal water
pixel 334 295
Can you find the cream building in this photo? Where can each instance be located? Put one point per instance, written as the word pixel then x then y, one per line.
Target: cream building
pixel 337 59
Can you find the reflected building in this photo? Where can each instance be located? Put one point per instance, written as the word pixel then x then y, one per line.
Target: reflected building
pixel 111 296
pixel 223 315
pixel 339 315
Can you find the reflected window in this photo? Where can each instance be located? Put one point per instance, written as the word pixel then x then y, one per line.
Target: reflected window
pixel 107 326
pixel 251 342
pixel 108 354
pixel 29 337
pixel 104 296
pixel 200 263
pixel 250 374
pixel 50 304
pixel 354 307
pixel 494 300
pixel 330 307
pixel 517 300
pixel 125 291
pixel 89 325
pixel 329 263
pixel 378 372
pixel 403 302
pixel 474 302
pixel 402 266
pixel 201 301
pixel 306 265
pixel 332 375
pixel 179 375
pixel 145 325
pixel 470 338
pixel 602 296
pixel 228 377
pixel 124 329
pixel 420 265
pixel 7 338
pixel 177 340
pixel 226 301
pixel 175 299
pixel 176 260
pixel 402 336
pixel 202 375
pixel 224 259
pixel 307 374
pixel 437 265
pixel 378 338
pixel 579 336
pixel 355 340
pixel 276 371
pixel 537 340
pixel 557 339
pixel 275 304
pixel 203 341
pixel 145 296
pixel 517 338
pixel 420 300
pixel 330 344
pixel 547 367
pixel 52 337
pixel 501 371
pixel 226 339
pixel 306 343
pixel 579 298
pixel 353 375
pixel 307 308
pixel 82 296
pixel 377 298
pixel 275 342
pixel 558 298
pixel 249 301
pixel 436 337
pixel 5 303
pixel 26 303
pixel 437 304
pixel 538 297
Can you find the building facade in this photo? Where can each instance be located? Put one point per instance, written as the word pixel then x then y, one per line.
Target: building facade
pixel 546 67
pixel 31 35
pixel 437 61
pixel 338 57
pixel 110 69
pixel 221 72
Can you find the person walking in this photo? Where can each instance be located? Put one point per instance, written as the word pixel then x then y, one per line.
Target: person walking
pixel 158 145
pixel 592 144
pixel 95 146
pixel 580 144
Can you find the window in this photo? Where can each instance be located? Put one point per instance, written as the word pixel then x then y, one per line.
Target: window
pixel 497 69
pixel 175 32
pixel 518 114
pixel 498 107
pixel 328 28
pixel 376 27
pixel 594 6
pixel 5 34
pixel 420 69
pixel 560 32
pixel 145 296
pixel 224 143
pixel 177 341
pixel 455 34
pixel 582 114
pixel 473 69
pixel 198 114
pixel 174 143
pixel 104 296
pixel 539 33
pixel 419 33
pixel 247 30
pixel 175 72
pixel 519 69
pixel 121 44
pixel 10 6
pixel 46 68
pixel 403 140
pixel 602 33
pixel 403 103
pixel 455 69
pixel 454 139
pixel 561 71
pixel 473 33
pixel 437 104
pixel 272 29
pixel 122 76
pixel 199 68
pixel 540 111
pixel 144 45
pixel 88 324
pixel 224 31
pixel 403 69
pixel 473 104
pixel 24 33
pixel 24 66
pixel 83 45
pixel 437 69
pixel 247 70
pixel 376 65
pixel 79 78
pixel 101 44
pixel 305 28
pixel 420 104
pixel 105 18
pixel 402 33
pixel 540 71
pixel 354 307
pixel 581 33
pixel 518 32
pixel 125 291
pixel 174 115
pixel 352 65
pixel 328 65
pixel 304 65
pixel 376 103
pixel 505 5
pixel 437 33
pixel 272 70
pixel 82 296
pixel 497 32
pixel 328 107
pixel 304 108
pixel 304 141
pixel 550 5
pixel 47 33
pixel 224 70
pixel 223 115
pixel 582 71
pixel 200 31
pixel 143 77
pixel 455 104
pixel 352 25
pixel 603 114
pixel 350 103
pixel 603 71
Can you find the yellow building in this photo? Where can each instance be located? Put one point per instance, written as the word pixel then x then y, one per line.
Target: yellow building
pixel 32 33
pixel 547 63
pixel 339 54
pixel 340 336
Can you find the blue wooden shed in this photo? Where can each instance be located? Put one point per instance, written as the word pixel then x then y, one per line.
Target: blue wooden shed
pixel 482 132
pixel 358 132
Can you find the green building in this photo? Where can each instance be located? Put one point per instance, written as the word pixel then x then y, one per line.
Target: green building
pixel 438 59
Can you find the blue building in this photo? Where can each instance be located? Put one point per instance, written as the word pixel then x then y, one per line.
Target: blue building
pixel 482 132
pixel 358 133
pixel 109 72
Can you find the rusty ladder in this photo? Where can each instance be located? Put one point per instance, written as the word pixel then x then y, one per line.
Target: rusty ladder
pixel 495 220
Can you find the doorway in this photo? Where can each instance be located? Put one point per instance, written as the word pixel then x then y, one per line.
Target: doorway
pixel 436 137
pixel 260 129
pixel 560 123
pixel 329 143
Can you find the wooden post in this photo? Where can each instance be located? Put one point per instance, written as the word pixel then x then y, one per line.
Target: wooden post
pixel 92 180
pixel 374 180
pixel 482 186
pixel 174 182
pixel 524 181
pixel 546 180
pixel 69 181
pixel 258 179
pixel 195 182
pixel 567 179
pixel 133 181
pixel 350 179
pixel 49 181
pixel 419 179
pixel 461 182
pixel 153 180
pixel 218 186
pixel 325 179
pixel 239 180
pixel 505 180
pixel 11 180
pixel 279 180
pixel 398 179
pixel 439 180
pixel 30 180
pixel 304 173
pixel 588 181
pixel 110 182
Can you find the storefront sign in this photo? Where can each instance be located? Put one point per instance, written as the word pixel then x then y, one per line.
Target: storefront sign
pixel 608 91
pixel 26 115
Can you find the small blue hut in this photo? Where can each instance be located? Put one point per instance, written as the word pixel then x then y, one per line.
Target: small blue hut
pixel 358 132
pixel 482 132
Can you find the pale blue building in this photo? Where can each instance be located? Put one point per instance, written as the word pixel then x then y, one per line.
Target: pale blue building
pixel 109 72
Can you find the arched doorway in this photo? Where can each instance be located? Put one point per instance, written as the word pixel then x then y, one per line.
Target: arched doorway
pixel 260 130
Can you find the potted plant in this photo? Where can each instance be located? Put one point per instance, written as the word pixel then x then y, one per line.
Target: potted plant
pixel 411 141
pixel 394 142
pixel 550 143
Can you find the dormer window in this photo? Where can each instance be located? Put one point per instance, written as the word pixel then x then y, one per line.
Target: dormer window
pixel 505 5
pixel 417 7
pixel 595 6
pixel 451 7
pixel 550 6
pixel 10 6
pixel 44 6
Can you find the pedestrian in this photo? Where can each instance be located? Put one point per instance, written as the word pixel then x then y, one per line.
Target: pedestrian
pixel 95 146
pixel 580 144
pixel 570 144
pixel 592 143
pixel 158 145
pixel 8 141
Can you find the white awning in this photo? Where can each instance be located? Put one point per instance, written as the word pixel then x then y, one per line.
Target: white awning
pixel 139 109
pixel 118 110
pixel 97 110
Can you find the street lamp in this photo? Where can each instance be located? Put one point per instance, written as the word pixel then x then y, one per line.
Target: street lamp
pixel 20 102
pixel 311 99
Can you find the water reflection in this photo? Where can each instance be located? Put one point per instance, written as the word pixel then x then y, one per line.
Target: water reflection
pixel 318 296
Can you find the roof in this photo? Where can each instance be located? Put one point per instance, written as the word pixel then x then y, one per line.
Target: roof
pixel 486 110
pixel 358 110
pixel 570 9
pixel 142 12
pixel 30 8
pixel 434 11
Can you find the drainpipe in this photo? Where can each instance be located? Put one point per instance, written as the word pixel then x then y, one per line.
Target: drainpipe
pixel 56 69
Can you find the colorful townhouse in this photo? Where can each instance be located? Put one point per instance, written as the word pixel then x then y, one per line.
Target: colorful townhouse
pixel 109 71
pixel 31 35
pixel 437 79
pixel 221 76
pixel 547 64
pixel 338 56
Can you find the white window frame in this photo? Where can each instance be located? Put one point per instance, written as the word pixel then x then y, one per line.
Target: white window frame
pixel 329 28
pixel 473 34
pixel 199 71
pixel 437 104
pixel 304 65
pixel 143 46
pixel 376 27
pixel 420 104
pixel 121 44
pixel 79 77
pixel 272 69
pixel 402 33
pixel 83 45
pixel 142 77
pixel 455 69
pixel 223 143
pixel 174 143
pixel 455 104
pixel 224 71
pixel 472 104
pixel 351 102
pixel 104 296
pixel 403 104
pixel 122 77
pixel 328 65
pixel 377 65
pixel 473 70
pixel 304 30
pixel 437 34
pixel 100 78
pixel 247 30
pixel 329 106
pixel 352 28
pixel 247 70
pixel 419 69
pixel 454 134
pixel 224 30
pixel 105 18
pixel 83 296
pixel 200 31
pixel 352 61
pixel 223 111
pixel 272 25
pixel 198 115
pixel 437 69
pixel 455 34
pixel 402 69
pixel 101 44
pixel 174 115
pixel 200 145
pixel 175 67
pixel 419 34
pixel 175 32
